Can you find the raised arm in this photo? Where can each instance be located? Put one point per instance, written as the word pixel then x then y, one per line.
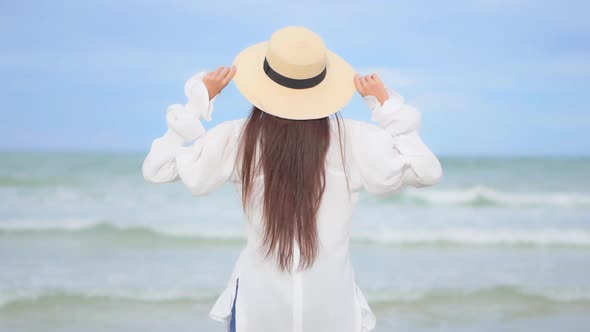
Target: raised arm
pixel 392 155
pixel 202 160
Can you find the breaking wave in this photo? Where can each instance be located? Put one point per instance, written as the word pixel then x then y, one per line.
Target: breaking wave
pixel 193 235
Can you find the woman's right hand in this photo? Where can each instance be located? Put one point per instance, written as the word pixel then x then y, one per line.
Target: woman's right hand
pixel 215 81
pixel 371 85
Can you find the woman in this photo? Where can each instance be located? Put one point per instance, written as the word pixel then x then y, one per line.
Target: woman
pixel 299 167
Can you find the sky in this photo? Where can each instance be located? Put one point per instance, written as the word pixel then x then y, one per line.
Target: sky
pixel 491 78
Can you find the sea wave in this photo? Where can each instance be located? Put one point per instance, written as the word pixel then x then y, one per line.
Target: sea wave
pixel 56 296
pixel 480 237
pixel 110 233
pixel 503 294
pixel 378 298
pixel 485 196
pixel 478 195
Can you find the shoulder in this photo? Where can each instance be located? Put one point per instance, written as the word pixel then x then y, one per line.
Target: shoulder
pixel 228 127
pixel 360 130
pixel 233 123
pixel 360 124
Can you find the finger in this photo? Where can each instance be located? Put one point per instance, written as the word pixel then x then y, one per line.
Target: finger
pixel 210 74
pixel 377 78
pixel 357 82
pixel 230 74
pixel 362 85
pixel 222 73
pixel 364 82
pixel 216 73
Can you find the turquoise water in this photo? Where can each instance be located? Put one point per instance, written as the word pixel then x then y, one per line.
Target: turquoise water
pixel 501 244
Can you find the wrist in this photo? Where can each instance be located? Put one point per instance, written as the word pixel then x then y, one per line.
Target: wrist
pixel 383 98
pixel 211 93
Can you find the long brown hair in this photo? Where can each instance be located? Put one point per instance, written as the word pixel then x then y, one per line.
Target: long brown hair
pixel 292 158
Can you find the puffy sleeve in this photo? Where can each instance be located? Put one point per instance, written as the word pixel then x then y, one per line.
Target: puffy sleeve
pixel 203 160
pixel 392 155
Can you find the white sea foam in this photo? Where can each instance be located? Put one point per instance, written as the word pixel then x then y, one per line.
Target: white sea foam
pixel 376 296
pixel 503 293
pixel 472 236
pixel 87 225
pixel 407 236
pixel 482 195
pixel 145 295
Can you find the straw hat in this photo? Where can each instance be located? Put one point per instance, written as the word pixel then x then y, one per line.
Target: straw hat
pixel 294 75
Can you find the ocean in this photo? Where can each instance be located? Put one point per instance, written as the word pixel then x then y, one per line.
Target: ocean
pixel 500 244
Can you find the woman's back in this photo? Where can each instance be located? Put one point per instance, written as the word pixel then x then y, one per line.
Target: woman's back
pixel 324 297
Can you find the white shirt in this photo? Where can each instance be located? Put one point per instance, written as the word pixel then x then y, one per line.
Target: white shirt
pixel 381 159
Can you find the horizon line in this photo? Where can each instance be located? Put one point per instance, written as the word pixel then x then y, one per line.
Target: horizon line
pixel 145 151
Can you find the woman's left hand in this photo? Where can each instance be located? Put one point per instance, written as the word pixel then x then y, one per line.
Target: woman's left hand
pixel 215 81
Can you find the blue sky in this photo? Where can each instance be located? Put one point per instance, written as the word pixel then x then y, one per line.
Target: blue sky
pixel 490 77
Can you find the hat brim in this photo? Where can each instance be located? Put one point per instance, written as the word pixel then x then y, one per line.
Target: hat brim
pixel 322 100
